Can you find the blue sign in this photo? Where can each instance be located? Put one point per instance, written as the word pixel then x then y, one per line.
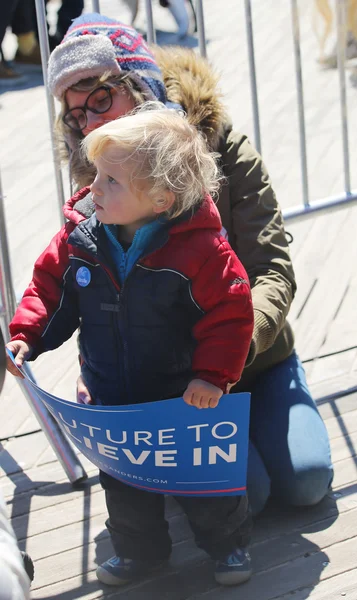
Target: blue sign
pixel 166 447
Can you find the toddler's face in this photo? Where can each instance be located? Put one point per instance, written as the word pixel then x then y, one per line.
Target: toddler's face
pixel 117 199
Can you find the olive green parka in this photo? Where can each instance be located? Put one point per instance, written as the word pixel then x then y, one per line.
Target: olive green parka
pixel 247 204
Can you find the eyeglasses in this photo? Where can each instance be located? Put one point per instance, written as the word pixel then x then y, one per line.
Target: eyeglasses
pixel 98 102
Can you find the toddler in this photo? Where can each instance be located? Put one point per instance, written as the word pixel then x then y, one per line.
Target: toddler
pixel 164 309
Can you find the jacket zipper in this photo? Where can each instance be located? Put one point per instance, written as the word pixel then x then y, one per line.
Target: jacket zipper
pixel 119 292
pixel 120 338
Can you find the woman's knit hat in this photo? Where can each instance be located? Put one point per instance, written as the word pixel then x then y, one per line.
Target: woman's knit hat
pixel 95 44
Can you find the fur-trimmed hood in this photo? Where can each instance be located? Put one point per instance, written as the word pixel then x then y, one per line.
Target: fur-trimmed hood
pixel 190 81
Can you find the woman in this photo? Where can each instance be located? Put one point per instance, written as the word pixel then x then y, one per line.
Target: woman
pixel 101 70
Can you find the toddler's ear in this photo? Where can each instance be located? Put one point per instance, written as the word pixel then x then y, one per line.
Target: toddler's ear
pixel 164 203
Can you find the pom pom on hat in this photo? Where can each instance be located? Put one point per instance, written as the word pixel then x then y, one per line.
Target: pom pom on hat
pixel 95 44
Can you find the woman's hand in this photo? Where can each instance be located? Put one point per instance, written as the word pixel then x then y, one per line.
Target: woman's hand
pixel 83 395
pixel 21 352
pixel 202 394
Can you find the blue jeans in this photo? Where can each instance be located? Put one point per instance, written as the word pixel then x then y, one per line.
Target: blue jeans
pixel 289 454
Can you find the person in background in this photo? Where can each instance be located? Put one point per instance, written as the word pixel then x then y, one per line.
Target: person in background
pixel 177 8
pixel 8 8
pixel 179 12
pixel 20 15
pixel 67 12
pixel 23 25
pixel 326 27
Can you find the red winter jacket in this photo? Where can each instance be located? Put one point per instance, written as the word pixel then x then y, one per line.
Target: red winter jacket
pixel 183 311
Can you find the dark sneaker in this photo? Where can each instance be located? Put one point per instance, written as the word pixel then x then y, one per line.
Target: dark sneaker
pixel 28 565
pixel 119 571
pixel 236 568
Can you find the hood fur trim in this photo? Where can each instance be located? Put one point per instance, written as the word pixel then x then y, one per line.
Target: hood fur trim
pixel 191 81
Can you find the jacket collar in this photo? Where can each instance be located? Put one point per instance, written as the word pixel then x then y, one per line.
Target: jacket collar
pixel 79 207
pixel 206 216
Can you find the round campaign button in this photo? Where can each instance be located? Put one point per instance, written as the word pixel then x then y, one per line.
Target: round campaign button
pixel 83 276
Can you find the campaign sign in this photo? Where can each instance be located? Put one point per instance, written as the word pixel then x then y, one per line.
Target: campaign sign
pixel 166 447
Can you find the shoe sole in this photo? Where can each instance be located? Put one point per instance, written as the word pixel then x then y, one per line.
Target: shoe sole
pixel 105 577
pixel 232 578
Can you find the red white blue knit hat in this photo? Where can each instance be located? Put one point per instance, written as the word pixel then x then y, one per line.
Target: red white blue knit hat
pixel 95 44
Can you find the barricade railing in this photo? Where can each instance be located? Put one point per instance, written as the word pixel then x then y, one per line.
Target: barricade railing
pixel 307 208
pixel 348 196
pixel 59 443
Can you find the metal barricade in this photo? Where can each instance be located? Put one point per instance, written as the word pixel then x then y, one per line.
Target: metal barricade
pixel 58 441
pixel 62 448
pixel 307 208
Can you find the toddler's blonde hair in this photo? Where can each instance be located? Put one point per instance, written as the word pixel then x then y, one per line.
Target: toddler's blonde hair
pixel 165 150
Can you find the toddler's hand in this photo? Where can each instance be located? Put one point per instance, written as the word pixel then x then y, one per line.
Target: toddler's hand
pixel 83 395
pixel 21 351
pixel 202 394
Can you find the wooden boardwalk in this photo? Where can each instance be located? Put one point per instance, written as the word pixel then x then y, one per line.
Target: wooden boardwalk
pixel 307 553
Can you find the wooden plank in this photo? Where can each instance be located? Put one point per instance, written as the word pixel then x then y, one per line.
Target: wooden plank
pixel 287 575
pixel 38 477
pixel 342 332
pixel 264 538
pixel 336 385
pixel 337 406
pixel 345 496
pixel 290 576
pixel 21 453
pixel 328 292
pixel 332 367
pixel 287 545
pixel 18 412
pixel 83 532
pixel 52 510
pixel 343 447
pixel 346 472
pixel 345 424
pixel 277 520
pixel 335 588
pixel 312 256
pixel 60 515
pixel 67 537
pixel 300 232
pixel 52 494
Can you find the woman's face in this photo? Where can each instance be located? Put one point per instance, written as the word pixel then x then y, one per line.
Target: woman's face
pixel 121 105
